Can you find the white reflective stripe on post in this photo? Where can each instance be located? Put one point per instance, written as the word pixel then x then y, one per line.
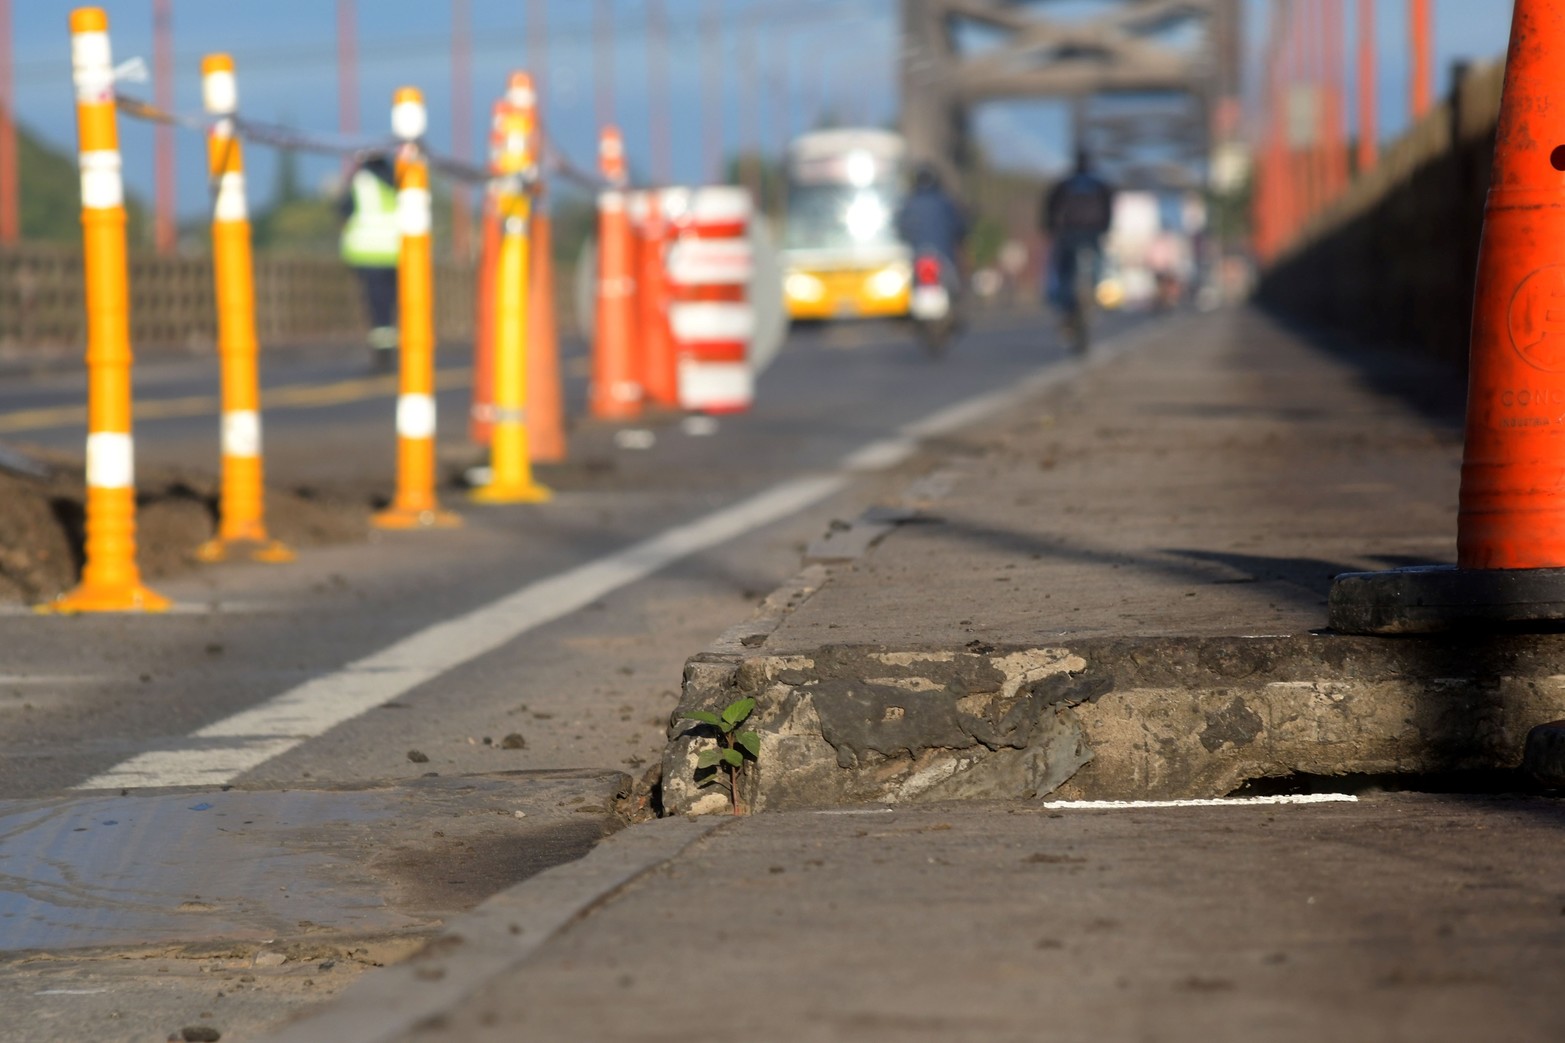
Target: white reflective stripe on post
pixel 409 120
pixel 611 202
pixel 416 416
pixel 111 460
pixel 102 186
pixel 696 322
pixel 711 262
pixel 230 204
pixel 413 211
pixel 720 205
pixel 92 67
pixel 220 92
pixel 241 433
pixel 725 386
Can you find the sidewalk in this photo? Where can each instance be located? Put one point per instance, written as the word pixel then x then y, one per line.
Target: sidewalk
pixel 1116 590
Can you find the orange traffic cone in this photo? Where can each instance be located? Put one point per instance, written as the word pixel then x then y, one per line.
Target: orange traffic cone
pixel 1511 526
pixel 480 423
pixel 545 395
pixel 616 392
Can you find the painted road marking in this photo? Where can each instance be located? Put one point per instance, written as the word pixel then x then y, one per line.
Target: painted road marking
pixel 288 396
pixel 1216 802
pixel 219 753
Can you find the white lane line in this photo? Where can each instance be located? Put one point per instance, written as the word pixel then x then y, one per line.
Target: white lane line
pixel 1217 802
pixel 252 737
pixel 302 713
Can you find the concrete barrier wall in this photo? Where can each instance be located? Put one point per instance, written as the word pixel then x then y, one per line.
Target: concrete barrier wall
pixel 299 300
pixel 1393 260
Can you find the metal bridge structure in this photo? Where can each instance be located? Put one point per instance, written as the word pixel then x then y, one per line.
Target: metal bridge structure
pixel 1153 85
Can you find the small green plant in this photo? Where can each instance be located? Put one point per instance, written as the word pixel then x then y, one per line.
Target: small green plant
pixel 727 760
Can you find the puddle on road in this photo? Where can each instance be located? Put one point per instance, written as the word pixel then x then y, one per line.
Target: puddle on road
pixel 198 868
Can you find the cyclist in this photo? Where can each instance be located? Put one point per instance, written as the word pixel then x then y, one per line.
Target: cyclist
pixel 1076 214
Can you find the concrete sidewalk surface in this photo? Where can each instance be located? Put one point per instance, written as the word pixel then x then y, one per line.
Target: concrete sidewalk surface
pixel 1141 555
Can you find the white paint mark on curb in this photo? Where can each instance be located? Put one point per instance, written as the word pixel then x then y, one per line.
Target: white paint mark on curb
pixel 1218 802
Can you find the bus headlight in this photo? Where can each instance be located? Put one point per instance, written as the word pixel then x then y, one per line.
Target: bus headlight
pixel 890 281
pixel 802 286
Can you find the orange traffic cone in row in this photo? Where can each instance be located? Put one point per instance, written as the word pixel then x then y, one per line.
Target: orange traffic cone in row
pixel 1511 526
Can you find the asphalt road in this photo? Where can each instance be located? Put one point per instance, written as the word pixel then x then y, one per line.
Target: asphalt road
pixel 80 696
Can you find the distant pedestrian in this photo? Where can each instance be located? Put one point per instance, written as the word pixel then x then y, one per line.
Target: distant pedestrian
pixel 371 243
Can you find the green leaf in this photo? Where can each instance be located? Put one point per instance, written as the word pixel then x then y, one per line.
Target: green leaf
pixel 738 711
pixel 751 742
pixel 733 757
pixel 704 717
pixel 708 758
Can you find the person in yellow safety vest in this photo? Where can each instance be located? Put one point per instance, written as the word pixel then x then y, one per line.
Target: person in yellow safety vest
pixel 370 244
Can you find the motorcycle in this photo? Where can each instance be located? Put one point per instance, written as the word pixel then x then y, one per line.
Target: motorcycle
pixel 933 302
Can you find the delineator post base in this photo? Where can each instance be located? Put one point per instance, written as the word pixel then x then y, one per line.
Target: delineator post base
pixel 433 518
pixel 1431 599
pixel 528 493
pixel 104 598
pixel 273 552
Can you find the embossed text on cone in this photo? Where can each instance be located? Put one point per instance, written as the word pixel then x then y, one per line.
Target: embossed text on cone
pixel 111 579
pixel 1511 526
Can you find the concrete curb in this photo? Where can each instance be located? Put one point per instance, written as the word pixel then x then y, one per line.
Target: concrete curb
pixel 493 940
pixel 714 672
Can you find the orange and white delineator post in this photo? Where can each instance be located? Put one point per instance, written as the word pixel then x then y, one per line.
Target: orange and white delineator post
pixel 111 580
pixel 414 505
pixel 241 503
pixel 709 269
pixel 616 392
pixel 510 462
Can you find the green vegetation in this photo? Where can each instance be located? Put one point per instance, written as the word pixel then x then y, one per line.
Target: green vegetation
pixel 726 760
pixel 51 196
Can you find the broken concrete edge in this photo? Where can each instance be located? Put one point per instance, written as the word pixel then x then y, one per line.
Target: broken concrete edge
pixel 1111 718
pixel 1432 599
pixel 493 940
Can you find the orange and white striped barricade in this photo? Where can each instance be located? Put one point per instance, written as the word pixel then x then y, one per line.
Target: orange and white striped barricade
pixel 111 580
pixel 709 270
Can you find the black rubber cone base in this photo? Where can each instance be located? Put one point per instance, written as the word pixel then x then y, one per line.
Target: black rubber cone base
pixel 1430 599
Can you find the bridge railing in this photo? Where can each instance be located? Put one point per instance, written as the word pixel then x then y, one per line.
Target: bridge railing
pixel 299 300
pixel 1393 260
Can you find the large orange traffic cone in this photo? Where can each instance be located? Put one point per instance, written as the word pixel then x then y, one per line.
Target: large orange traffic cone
pixel 1511 527
pixel 1513 470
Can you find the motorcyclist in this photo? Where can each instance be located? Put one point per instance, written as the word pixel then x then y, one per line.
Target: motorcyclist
pixel 1076 214
pixel 929 220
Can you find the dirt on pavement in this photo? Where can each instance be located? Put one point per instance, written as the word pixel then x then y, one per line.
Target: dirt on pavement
pixel 42 514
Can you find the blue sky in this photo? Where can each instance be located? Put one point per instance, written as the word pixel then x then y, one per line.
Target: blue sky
pixel 792 58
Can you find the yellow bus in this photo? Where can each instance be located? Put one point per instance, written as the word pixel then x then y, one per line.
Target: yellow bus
pixel 841 255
